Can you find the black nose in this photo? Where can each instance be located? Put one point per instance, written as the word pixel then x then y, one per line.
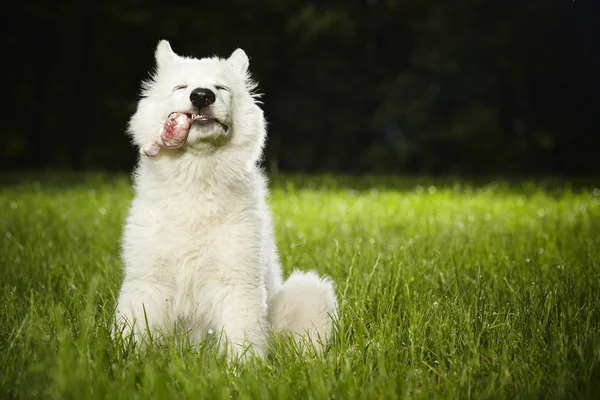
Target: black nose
pixel 201 97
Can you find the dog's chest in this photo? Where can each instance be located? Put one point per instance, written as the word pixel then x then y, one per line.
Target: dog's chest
pixel 214 261
pixel 200 247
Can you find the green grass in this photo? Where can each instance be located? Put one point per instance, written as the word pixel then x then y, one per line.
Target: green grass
pixel 446 289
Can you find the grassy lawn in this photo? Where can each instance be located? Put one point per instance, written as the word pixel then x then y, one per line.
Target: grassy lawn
pixel 447 290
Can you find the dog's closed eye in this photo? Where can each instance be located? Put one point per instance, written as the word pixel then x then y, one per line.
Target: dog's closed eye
pixel 180 87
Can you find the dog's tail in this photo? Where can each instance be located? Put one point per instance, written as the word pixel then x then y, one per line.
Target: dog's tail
pixel 305 307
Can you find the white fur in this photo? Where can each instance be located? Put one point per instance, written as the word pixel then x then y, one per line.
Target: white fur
pixel 198 245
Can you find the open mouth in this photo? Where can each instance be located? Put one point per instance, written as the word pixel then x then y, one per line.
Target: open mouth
pixel 202 119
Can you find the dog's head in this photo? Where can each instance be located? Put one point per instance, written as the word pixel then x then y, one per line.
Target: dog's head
pixel 216 94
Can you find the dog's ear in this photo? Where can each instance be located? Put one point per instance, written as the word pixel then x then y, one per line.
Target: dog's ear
pixel 164 54
pixel 239 60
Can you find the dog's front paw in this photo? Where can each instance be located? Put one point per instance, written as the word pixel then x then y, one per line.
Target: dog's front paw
pixel 175 130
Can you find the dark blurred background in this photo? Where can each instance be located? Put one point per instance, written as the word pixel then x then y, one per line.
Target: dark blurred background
pixel 423 87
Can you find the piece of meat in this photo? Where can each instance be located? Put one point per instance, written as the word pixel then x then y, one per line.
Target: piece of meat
pixel 175 130
pixel 151 149
pixel 173 135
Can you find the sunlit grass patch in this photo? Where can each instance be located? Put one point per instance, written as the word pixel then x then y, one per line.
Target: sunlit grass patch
pixel 447 289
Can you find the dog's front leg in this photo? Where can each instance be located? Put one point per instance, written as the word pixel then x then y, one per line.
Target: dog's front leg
pixel 242 315
pixel 142 309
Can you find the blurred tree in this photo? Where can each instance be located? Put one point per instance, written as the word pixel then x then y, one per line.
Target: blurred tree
pixel 364 85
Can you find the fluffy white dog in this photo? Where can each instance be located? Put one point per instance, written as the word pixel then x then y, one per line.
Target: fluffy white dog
pixel 198 245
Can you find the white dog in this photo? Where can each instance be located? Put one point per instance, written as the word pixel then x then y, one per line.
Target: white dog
pixel 198 245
